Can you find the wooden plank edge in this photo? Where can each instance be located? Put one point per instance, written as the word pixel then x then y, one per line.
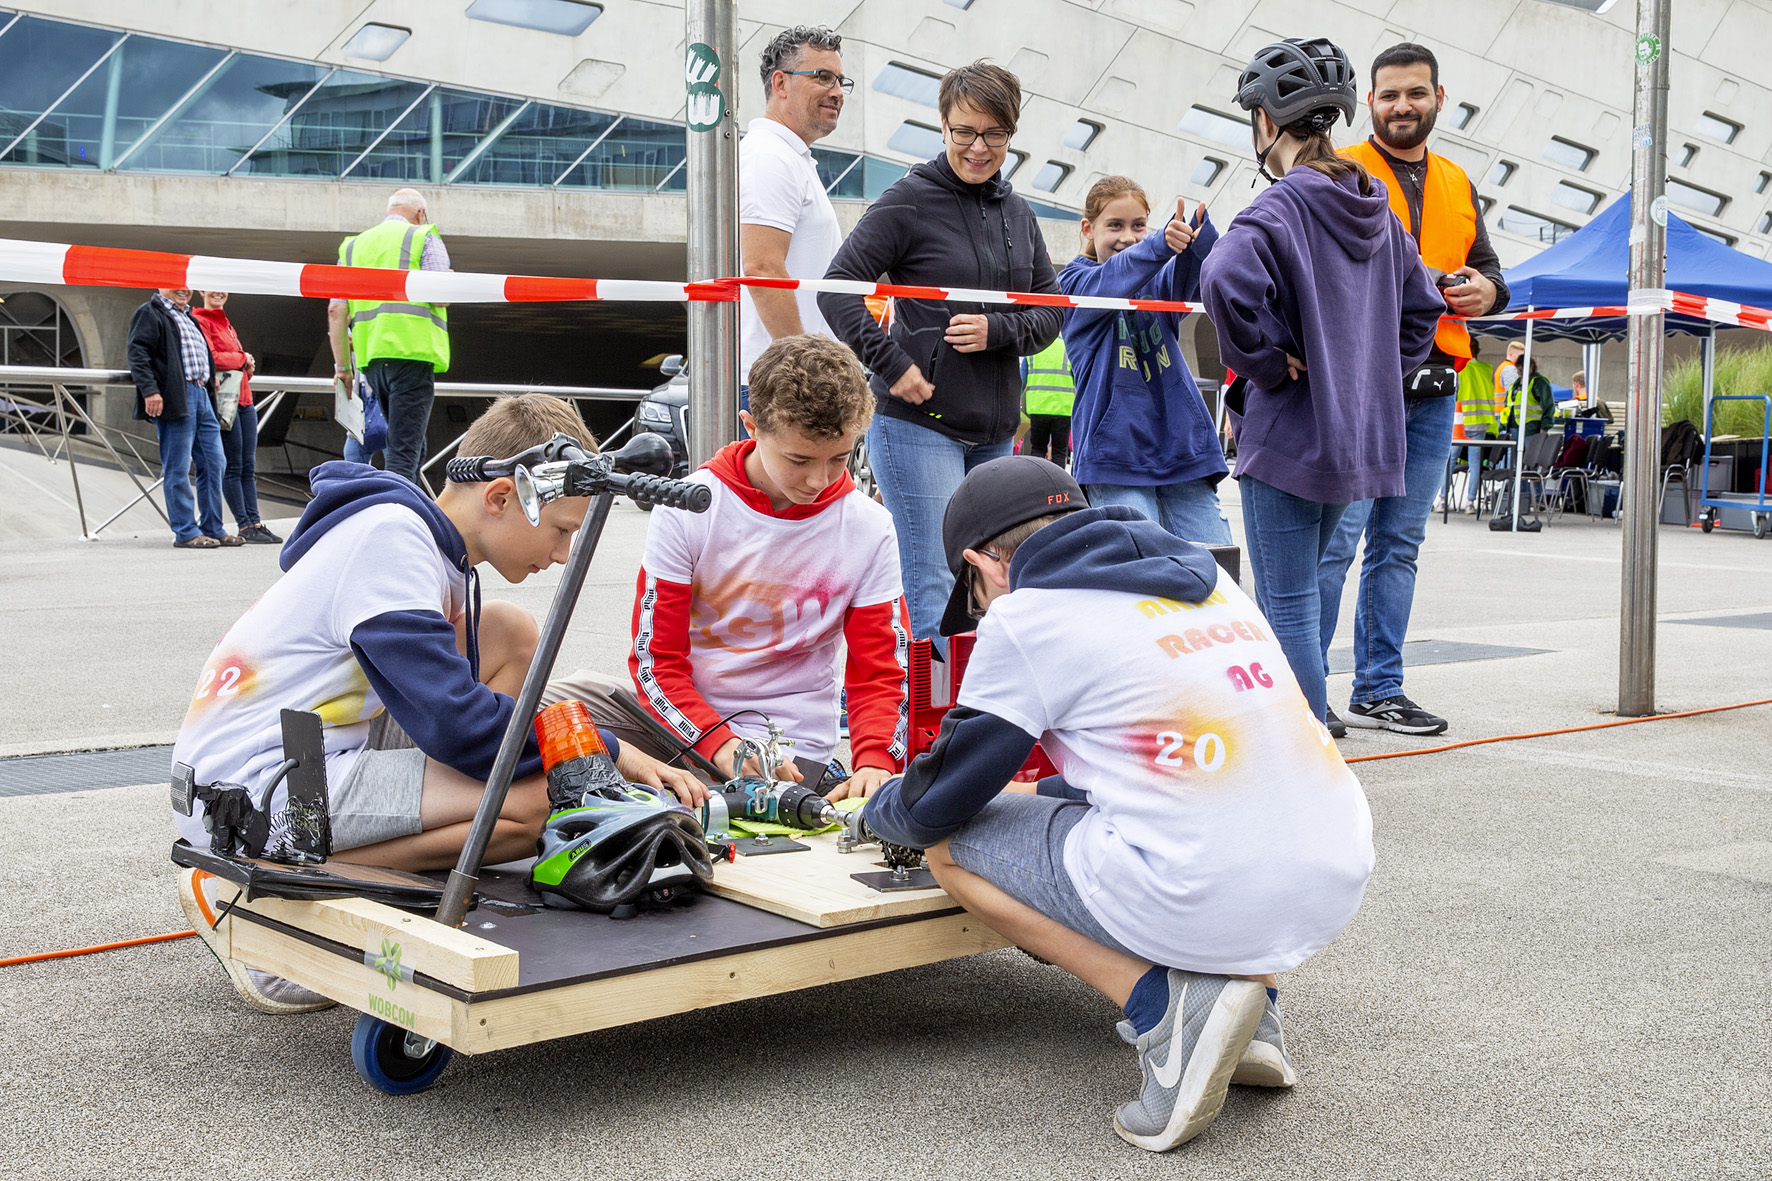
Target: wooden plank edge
pixel 847 910
pixel 640 996
pixel 460 958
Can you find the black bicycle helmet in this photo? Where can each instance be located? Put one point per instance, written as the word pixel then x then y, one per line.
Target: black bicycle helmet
pixel 614 853
pixel 1294 79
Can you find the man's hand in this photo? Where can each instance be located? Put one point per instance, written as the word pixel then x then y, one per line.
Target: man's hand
pixel 1179 234
pixel 153 404
pixel 637 766
pixel 864 783
pixel 912 388
pixel 729 751
pixel 1294 367
pixel 1472 297
pixel 968 334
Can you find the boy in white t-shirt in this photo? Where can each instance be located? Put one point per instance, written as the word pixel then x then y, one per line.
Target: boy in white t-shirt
pixel 781 595
pixel 1203 832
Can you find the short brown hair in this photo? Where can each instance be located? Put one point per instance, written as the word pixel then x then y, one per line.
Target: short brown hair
pixel 810 384
pixel 1007 542
pixel 517 422
pixel 986 87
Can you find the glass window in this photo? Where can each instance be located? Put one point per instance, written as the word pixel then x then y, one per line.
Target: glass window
pixel 39 60
pixel 542 143
pixel 1502 172
pixel 219 122
pixel 1486 203
pixel 1764 179
pixel 1530 225
pixel 1205 172
pixel 1568 153
pixel 1013 161
pixel 334 126
pixel 1716 235
pixel 1051 175
pixel 919 86
pixel 1053 212
pixel 1220 129
pixel 567 17
pixel 376 43
pixel 834 166
pixel 1717 127
pixel 962 4
pixel 115 106
pixel 1574 197
pixel 1765 223
pixel 434 136
pixel 1081 134
pixel 916 139
pixel 1694 198
pixel 636 154
pixel 879 175
pixel 1688 153
pixel 1462 115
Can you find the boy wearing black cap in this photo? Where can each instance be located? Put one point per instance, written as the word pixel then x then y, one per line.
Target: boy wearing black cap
pixel 1203 832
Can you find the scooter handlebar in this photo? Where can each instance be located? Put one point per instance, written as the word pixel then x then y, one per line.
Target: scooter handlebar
pixel 661 490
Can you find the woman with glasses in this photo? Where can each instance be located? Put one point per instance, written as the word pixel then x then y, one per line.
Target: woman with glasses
pixel 947 376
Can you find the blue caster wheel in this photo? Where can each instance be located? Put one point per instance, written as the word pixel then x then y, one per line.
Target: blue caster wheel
pixel 396 1060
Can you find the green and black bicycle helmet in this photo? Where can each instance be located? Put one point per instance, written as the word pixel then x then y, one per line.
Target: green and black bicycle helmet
pixel 1295 79
pixel 613 853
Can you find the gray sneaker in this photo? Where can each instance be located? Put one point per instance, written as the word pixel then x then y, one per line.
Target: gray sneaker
pixel 1266 1063
pixel 1188 1059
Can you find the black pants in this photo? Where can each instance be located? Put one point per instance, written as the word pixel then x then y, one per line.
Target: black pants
pixel 1049 431
pixel 405 390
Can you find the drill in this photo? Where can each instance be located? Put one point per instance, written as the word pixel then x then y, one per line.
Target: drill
pixel 753 798
pixel 574 756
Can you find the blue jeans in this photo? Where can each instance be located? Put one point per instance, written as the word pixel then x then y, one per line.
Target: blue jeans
pixel 1287 536
pixel 195 438
pixel 240 481
pixel 1394 527
pixel 1189 509
pixel 917 470
pixel 405 390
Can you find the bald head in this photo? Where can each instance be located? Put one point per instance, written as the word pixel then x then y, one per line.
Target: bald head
pixel 407 203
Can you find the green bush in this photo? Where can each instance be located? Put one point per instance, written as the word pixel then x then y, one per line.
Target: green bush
pixel 1739 371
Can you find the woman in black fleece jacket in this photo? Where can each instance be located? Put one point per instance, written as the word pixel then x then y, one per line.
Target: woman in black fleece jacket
pixel 947 379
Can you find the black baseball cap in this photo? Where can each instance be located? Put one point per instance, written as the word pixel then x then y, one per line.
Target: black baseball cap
pixel 994 498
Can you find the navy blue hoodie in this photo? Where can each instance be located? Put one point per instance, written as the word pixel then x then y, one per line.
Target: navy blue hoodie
pixel 1316 269
pixel 1111 549
pixel 410 657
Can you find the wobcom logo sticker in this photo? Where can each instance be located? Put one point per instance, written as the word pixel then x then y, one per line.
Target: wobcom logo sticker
pixel 388 962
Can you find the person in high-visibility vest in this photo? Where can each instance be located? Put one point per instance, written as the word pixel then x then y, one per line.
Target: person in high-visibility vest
pixel 1437 204
pixel 399 347
pixel 1049 391
pixel 1476 411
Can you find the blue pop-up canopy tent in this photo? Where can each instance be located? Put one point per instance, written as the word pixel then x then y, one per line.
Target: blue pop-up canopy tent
pixel 1591 268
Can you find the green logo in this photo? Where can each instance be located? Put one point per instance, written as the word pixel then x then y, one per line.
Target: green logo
pixel 706 106
pixel 1648 48
pixel 388 962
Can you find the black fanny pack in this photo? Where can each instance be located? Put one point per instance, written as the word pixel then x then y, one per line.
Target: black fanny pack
pixel 1431 381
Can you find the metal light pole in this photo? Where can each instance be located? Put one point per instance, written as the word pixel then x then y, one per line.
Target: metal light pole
pixel 711 111
pixel 1642 457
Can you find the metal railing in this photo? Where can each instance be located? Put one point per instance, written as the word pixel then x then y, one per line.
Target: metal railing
pixel 54 417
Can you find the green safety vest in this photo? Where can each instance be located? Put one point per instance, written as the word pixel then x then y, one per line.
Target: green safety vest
pixel 1476 395
pixel 1050 389
pixel 394 330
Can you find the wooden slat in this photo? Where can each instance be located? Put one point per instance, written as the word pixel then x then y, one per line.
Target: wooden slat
pixel 622 1000
pixel 458 957
pixel 814 887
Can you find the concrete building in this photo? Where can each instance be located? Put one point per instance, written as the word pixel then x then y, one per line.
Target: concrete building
pixel 548 133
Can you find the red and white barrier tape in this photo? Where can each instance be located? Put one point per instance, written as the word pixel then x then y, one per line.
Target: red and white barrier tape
pixel 100 266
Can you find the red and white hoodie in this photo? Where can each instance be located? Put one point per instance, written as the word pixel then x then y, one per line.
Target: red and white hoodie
pixel 744 608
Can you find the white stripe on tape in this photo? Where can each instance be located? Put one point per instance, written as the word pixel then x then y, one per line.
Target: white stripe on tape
pixel 32 262
pixel 454 287
pixel 243 275
pixel 644 290
pixel 839 286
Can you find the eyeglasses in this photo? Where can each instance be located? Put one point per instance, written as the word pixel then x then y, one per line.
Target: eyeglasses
pixel 972 607
pixel 825 79
pixel 966 137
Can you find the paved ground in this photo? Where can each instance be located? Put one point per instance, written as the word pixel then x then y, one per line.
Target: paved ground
pixel 1561 969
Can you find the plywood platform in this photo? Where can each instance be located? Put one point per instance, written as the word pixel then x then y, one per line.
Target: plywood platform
pixel 814 887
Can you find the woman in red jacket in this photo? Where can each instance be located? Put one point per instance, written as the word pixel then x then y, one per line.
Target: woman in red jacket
pixel 239 442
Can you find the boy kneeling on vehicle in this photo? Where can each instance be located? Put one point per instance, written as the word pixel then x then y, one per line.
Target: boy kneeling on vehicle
pixel 1203 832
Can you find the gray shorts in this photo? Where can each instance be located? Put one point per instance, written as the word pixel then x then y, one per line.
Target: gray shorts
pixel 1016 843
pixel 378 799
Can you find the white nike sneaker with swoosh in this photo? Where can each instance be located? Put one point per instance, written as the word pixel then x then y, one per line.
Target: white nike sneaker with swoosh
pixel 1266 1063
pixel 1189 1057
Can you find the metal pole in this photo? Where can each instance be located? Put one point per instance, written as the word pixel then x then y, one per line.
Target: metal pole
pixel 1648 258
pixel 709 76
pixel 1520 423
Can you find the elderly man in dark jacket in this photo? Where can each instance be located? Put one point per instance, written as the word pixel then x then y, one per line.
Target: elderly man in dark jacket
pixel 174 375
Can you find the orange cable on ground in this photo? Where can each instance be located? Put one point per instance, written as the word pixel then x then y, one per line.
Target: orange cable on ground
pixel 1397 754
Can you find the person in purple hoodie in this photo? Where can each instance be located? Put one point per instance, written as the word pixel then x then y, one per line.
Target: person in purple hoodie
pixel 1141 435
pixel 1321 306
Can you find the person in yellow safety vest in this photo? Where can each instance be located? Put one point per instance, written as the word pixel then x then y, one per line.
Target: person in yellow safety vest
pixel 1437 204
pixel 398 346
pixel 1050 393
pixel 1476 410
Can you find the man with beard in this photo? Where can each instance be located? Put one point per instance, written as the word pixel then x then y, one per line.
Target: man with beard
pixel 1437 204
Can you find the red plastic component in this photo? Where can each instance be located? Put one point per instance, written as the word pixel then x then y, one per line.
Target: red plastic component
pixel 934 687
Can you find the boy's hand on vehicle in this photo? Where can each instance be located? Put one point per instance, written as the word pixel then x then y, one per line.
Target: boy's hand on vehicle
pixel 637 766
pixel 968 334
pixel 864 783
pixel 1294 367
pixel 912 388
pixel 728 751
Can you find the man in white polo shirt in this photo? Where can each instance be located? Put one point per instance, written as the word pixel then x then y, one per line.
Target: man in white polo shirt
pixel 787 228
